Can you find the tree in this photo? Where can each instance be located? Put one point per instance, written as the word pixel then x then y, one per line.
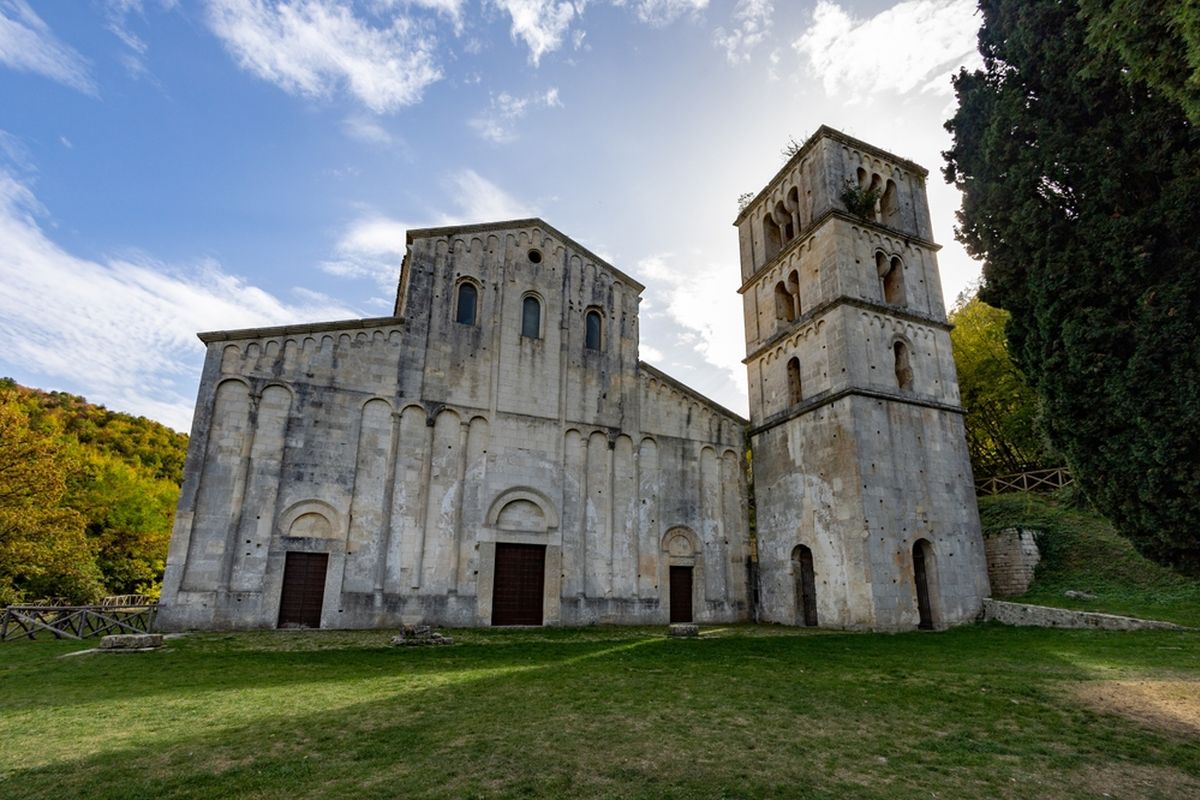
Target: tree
pixel 1003 432
pixel 43 549
pixel 1080 186
pixel 1158 40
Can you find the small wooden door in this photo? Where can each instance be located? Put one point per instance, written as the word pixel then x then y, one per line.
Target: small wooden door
pixel 921 577
pixel 517 589
pixel 681 594
pixel 303 590
pixel 806 587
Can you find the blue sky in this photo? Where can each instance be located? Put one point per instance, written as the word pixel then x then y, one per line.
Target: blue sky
pixel 169 166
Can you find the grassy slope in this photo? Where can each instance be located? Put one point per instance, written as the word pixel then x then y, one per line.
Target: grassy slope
pixel 1081 551
pixel 981 711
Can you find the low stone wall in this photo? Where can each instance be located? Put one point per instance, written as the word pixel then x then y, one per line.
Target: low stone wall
pixel 1047 617
pixel 1012 557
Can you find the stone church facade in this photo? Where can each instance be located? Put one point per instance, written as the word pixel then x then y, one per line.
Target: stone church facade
pixel 496 453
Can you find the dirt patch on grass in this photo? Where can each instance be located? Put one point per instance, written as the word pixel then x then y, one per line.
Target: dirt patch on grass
pixel 1168 705
pixel 1135 781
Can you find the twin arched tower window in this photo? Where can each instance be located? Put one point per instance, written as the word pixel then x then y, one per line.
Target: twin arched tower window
pixel 787 298
pixel 891 278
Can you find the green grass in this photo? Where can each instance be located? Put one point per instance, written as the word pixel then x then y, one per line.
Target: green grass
pixel 980 711
pixel 1081 551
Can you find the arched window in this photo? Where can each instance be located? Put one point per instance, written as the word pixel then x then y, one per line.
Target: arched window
pixel 773 236
pixel 904 373
pixel 531 317
pixel 784 309
pixel 465 303
pixel 593 321
pixel 891 278
pixel 889 205
pixel 784 218
pixel 793 285
pixel 795 391
pixel 793 204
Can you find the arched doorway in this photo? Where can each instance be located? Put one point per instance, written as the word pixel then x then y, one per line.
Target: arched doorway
pixel 806 586
pixel 922 567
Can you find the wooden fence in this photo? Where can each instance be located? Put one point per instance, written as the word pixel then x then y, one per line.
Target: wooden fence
pixel 1042 480
pixel 74 622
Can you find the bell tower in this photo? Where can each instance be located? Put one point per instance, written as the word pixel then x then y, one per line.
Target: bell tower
pixel 866 504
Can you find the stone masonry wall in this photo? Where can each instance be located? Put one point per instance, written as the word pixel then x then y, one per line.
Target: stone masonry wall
pixel 1012 558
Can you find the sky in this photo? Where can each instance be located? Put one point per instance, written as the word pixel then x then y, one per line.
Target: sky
pixel 174 166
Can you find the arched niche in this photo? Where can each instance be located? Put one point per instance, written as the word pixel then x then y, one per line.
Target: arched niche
pixel 522 509
pixel 311 519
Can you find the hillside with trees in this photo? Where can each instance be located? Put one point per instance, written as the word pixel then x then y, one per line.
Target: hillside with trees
pixel 1080 169
pixel 87 497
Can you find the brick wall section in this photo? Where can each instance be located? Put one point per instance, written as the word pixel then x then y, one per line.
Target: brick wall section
pixel 1012 556
pixel 1046 617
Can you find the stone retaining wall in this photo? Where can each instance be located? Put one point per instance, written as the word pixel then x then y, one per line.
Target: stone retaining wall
pixel 1012 557
pixel 1046 617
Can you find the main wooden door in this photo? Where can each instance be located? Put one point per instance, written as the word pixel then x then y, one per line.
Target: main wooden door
pixel 303 590
pixel 806 586
pixel 920 575
pixel 517 589
pixel 681 594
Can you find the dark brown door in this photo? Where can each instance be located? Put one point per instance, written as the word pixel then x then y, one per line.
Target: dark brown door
pixel 303 590
pixel 519 580
pixel 919 574
pixel 681 594
pixel 806 587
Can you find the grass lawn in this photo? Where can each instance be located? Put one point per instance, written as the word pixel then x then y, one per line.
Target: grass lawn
pixel 1082 552
pixel 979 711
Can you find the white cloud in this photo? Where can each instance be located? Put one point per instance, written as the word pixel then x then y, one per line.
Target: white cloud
pixel 752 20
pixel 499 122
pixel 915 45
pixel 697 299
pixel 648 353
pixel 365 129
pixel 664 12
pixel 310 47
pixel 373 245
pixel 541 24
pixel 121 331
pixel 28 44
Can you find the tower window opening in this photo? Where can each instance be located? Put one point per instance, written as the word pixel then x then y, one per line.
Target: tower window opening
pixel 795 391
pixel 904 373
pixel 889 206
pixel 592 333
pixel 793 285
pixel 772 236
pixel 531 317
pixel 891 278
pixel 787 225
pixel 785 310
pixel 464 307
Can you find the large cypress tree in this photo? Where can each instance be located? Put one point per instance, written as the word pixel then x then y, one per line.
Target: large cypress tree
pixel 1081 195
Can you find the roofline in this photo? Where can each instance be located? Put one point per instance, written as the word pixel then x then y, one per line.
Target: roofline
pixel 528 222
pixel 209 337
pixel 683 387
pixel 832 133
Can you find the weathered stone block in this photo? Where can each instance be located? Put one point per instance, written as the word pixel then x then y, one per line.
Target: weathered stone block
pixel 683 629
pixel 131 641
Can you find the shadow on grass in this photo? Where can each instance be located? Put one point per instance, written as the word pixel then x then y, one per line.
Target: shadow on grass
pixel 970 711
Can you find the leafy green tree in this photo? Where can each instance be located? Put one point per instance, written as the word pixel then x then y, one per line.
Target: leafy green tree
pixel 1157 40
pixel 1003 434
pixel 1080 186
pixel 44 551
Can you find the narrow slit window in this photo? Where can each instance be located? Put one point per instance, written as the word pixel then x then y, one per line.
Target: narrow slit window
pixel 531 318
pixel 904 373
pixel 592 335
pixel 468 298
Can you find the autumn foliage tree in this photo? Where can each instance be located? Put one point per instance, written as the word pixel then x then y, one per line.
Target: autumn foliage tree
pixel 1002 420
pixel 87 497
pixel 1080 183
